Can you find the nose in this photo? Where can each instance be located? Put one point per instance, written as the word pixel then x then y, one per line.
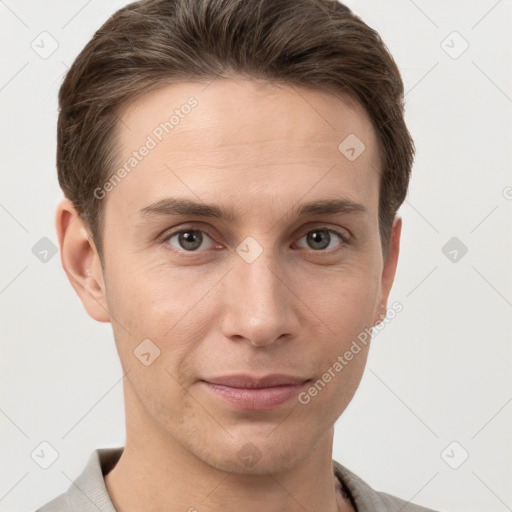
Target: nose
pixel 259 305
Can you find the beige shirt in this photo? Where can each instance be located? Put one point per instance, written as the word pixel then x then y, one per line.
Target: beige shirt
pixel 88 492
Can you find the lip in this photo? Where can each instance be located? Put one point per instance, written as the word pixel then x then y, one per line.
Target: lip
pixel 243 380
pixel 255 393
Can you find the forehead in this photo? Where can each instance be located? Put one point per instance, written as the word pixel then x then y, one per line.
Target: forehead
pixel 238 136
pixel 230 109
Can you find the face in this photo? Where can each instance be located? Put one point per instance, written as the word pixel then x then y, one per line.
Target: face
pixel 282 282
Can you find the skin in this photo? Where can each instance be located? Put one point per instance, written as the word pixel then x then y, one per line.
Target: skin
pixel 261 150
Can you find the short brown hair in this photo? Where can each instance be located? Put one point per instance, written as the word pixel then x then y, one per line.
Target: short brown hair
pixel 147 44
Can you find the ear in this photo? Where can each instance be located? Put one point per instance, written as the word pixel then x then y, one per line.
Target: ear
pixel 388 272
pixel 80 261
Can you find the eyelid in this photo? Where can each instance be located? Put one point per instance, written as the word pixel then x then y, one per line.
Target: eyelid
pixel 344 233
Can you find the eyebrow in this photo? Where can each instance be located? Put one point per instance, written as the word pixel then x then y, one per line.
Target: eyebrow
pixel 176 206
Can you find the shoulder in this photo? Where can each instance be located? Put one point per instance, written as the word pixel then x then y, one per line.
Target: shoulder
pixel 398 504
pixel 58 504
pixel 88 492
pixel 367 499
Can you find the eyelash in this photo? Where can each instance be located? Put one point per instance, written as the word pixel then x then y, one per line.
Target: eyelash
pixel 164 239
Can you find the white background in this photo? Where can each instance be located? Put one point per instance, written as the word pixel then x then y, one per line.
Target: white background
pixel 439 372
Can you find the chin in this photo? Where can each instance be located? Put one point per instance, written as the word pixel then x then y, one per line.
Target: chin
pixel 257 454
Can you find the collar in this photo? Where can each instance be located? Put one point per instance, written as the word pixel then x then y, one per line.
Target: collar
pixel 88 492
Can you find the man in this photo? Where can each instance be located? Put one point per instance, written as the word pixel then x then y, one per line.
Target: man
pixel 232 173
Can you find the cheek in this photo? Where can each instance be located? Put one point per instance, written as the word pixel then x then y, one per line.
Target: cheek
pixel 149 296
pixel 345 309
pixel 170 307
pixel 156 337
pixel 333 388
pixel 344 299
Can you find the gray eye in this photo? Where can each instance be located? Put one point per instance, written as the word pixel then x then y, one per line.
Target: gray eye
pixel 319 239
pixel 189 239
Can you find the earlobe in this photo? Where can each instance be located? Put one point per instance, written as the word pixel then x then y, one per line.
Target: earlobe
pixel 80 261
pixel 389 269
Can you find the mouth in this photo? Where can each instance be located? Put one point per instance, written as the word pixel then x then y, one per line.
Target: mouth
pixel 255 393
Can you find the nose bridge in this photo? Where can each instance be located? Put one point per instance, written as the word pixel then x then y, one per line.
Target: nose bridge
pixel 257 302
pixel 259 283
